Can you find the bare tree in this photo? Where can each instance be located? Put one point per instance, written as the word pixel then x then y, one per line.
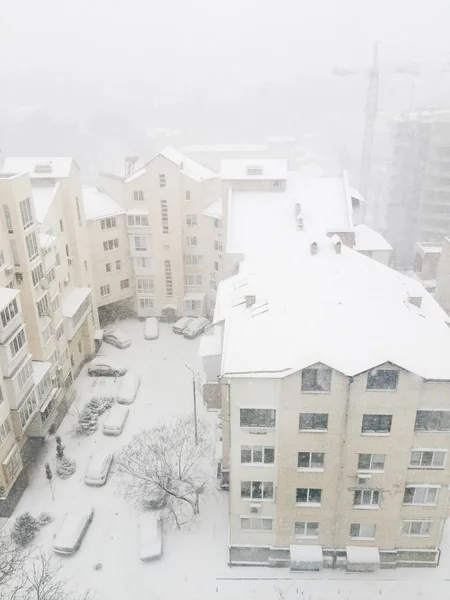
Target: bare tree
pixel 163 468
pixel 12 567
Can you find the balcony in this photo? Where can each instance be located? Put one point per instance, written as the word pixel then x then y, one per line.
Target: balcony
pixel 13 352
pixel 75 309
pixel 19 384
pixel 10 313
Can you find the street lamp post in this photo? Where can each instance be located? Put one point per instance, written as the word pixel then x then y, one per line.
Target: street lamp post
pixel 195 404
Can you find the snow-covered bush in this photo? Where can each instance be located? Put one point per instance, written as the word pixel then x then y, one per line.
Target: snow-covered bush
pixel 24 530
pixel 66 467
pixel 87 422
pixel 96 405
pixel 44 518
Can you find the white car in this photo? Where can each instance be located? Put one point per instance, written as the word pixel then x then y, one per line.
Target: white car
pixel 69 537
pixel 98 368
pixel 128 388
pixel 195 327
pixel 151 329
pixel 181 324
pixel 116 420
pixel 150 536
pixel 117 338
pixel 98 469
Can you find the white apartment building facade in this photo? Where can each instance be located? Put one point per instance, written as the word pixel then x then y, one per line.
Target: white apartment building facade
pixel 174 232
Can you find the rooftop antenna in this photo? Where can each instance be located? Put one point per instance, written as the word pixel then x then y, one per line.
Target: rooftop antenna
pixel 130 163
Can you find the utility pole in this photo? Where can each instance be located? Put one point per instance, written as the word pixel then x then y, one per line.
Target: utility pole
pixel 371 113
pixel 195 404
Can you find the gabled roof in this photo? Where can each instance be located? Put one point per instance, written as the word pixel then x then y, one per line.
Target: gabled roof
pixel 55 167
pixel 98 204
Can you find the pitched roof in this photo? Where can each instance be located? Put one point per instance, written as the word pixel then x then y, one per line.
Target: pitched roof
pixel 56 167
pixel 98 204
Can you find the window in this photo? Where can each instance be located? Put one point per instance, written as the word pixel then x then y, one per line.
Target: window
pixel 124 284
pixel 51 275
pixel 309 529
pixel 258 417
pixel 28 408
pixel 213 285
pixel 110 245
pixel 27 215
pixel 5 430
pixel 362 530
pixel 144 284
pixel 2 258
pixel 47 333
pixel 162 180
pixel 256 524
pixel 140 243
pixel 382 379
pixel 24 374
pixel 108 267
pixel 85 265
pixel 259 455
pixel 105 290
pixel 217 223
pixel 191 241
pixel 310 460
pixel 48 410
pixel 61 225
pixel 8 218
pixel 216 265
pixel 43 306
pixel 420 495
pixel 32 246
pixel 257 490
pixel 80 347
pixel 77 202
pixel 12 464
pixel 65 355
pixel 218 246
pixel 371 462
pixel 194 305
pixel 15 253
pixel 192 280
pixel 60 331
pixel 138 196
pixel 427 459
pixel 164 216
pixel 68 251
pixel 37 274
pixel 57 259
pixel 191 220
pixel 376 424
pixel 188 195
pixel 72 360
pixel 417 528
pixel 432 420
pixel 168 271
pixel 17 343
pixel 308 496
pixel 142 262
pixel 313 422
pixel 366 498
pixel 9 313
pixel 44 386
pixel 108 223
pixel 316 380
pixel 146 303
pixel 137 220
pixel 193 259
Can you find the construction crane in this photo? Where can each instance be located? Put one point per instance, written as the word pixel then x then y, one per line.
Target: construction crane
pixel 371 113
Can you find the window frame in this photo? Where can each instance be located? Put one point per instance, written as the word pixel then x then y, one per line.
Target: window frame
pixel 382 432
pixel 308 495
pixel 251 518
pixel 372 374
pixel 367 505
pixel 371 468
pixel 310 467
pixel 326 371
pixel 360 527
pixel 252 450
pixel 312 429
pixel 411 522
pixel 273 418
pixel 305 534
pixel 436 413
pixel 427 487
pixel 253 483
pixel 432 451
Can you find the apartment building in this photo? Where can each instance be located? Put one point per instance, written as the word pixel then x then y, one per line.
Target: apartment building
pixel 175 239
pixel 419 201
pixel 113 273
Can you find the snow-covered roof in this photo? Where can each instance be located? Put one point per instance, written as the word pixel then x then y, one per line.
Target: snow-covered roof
pixel 367 555
pixel 211 342
pixel 39 168
pixel 43 196
pixel 74 301
pixel 224 148
pixel 98 204
pixel 214 210
pixel 257 169
pixel 7 295
pixel 343 310
pixel 40 368
pixel 367 239
pixel 429 248
pixel 304 554
pixel 356 194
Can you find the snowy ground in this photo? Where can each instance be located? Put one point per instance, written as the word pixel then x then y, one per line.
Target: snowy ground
pixel 193 566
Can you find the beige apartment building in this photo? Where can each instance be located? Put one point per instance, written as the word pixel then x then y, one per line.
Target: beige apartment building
pixel 47 313
pixel 174 229
pixel 113 274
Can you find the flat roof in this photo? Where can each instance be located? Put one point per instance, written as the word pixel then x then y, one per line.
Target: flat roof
pixel 74 301
pixel 55 167
pixel 367 239
pixel 253 169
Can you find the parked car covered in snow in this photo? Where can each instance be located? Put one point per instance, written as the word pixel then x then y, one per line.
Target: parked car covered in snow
pixel 98 469
pixel 69 537
pixel 117 338
pixel 151 328
pixel 128 388
pixel 98 368
pixel 195 327
pixel 150 536
pixel 116 420
pixel 181 324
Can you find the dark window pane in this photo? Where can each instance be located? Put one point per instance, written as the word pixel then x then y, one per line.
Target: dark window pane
pixel 269 455
pixel 316 380
pixel 364 461
pixel 303 460
pixel 246 454
pixel 432 420
pixel 257 417
pixel 301 495
pixel 245 489
pixel 318 421
pixel 376 423
pixel 315 495
pixel 317 460
pixel 257 454
pixel 256 489
pixel 357 497
pixel 354 530
pixel 427 459
pixel 268 489
pixel 312 528
pixel 408 495
pixel 382 379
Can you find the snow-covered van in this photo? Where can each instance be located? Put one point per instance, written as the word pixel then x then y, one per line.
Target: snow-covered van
pixel 128 388
pixel 195 327
pixel 116 420
pixel 151 330
pixel 69 537
pixel 150 536
pixel 181 324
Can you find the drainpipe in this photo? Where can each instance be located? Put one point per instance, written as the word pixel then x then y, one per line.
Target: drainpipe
pixel 341 465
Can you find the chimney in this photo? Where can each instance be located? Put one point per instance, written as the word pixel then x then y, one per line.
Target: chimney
pixel 250 300
pixel 337 244
pixel 299 223
pixel 298 209
pixel 313 248
pixel 416 300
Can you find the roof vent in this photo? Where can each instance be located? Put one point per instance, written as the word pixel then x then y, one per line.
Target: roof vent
pixel 337 243
pixel 254 170
pixel 314 248
pixel 298 209
pixel 43 168
pixel 299 220
pixel 416 300
pixel 250 300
